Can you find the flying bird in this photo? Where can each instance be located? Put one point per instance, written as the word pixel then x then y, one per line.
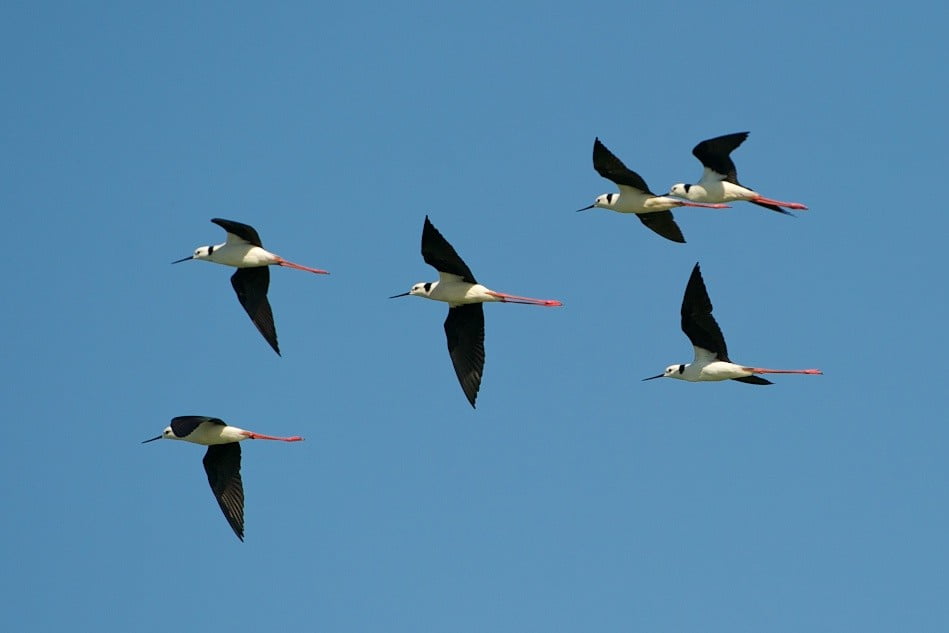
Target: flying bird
pixel 719 181
pixel 244 251
pixel 464 327
pixel 711 354
pixel 222 462
pixel 635 196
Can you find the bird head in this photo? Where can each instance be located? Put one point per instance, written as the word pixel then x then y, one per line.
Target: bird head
pixel 421 289
pixel 679 189
pixel 202 252
pixel 604 201
pixel 167 434
pixel 672 371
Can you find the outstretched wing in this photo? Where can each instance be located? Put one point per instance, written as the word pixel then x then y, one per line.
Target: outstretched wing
pixel 662 223
pixel 612 168
pixel 714 154
pixel 697 320
pixel 238 233
pixel 222 463
pixel 251 285
pixel 439 254
pixel 464 329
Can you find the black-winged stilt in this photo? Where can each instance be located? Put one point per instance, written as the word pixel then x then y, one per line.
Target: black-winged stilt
pixel 222 462
pixel 719 181
pixel 244 251
pixel 457 287
pixel 711 355
pixel 635 197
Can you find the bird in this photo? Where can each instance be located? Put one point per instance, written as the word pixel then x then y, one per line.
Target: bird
pixel 711 354
pixel 719 182
pixel 222 462
pixel 464 327
pixel 244 251
pixel 635 196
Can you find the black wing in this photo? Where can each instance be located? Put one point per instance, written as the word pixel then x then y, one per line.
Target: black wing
pixel 754 380
pixel 251 285
pixel 714 154
pixel 222 462
pixel 244 231
pixel 464 329
pixel 612 168
pixel 662 223
pixel 439 254
pixel 184 425
pixel 697 320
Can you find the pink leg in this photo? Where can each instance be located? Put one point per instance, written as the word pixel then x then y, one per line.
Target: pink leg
pixel 515 299
pixel 285 263
pixel 705 205
pixel 778 203
pixel 258 436
pixel 761 370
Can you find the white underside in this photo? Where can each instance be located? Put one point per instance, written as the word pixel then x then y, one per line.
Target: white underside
pixel 208 434
pixel 242 256
pixel 635 201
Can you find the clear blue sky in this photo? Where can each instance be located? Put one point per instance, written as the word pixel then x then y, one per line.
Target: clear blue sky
pixel 576 498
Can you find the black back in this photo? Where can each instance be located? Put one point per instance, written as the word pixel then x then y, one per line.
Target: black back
pixel 184 425
pixel 612 168
pixel 439 254
pixel 244 231
pixel 251 285
pixel 697 320
pixel 222 463
pixel 664 224
pixel 464 329
pixel 714 154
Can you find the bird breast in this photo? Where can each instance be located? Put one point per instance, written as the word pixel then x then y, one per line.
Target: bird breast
pixel 720 370
pixel 460 293
pixel 243 256
pixel 208 434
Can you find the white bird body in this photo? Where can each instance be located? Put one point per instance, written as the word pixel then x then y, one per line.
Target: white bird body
pixel 209 434
pixel 454 291
pixel 630 200
pixel 707 367
pixel 714 188
pixel 237 255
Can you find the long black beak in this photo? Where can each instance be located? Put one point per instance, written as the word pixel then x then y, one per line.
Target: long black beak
pixel 585 208
pixel 183 259
pixel 653 377
pixel 404 294
pixel 152 440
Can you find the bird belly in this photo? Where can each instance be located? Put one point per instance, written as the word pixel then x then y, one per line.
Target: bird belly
pixel 630 203
pixel 208 434
pixel 243 256
pixel 720 370
pixel 460 293
pixel 728 192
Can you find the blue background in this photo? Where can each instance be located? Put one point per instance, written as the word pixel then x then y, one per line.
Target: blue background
pixel 576 498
